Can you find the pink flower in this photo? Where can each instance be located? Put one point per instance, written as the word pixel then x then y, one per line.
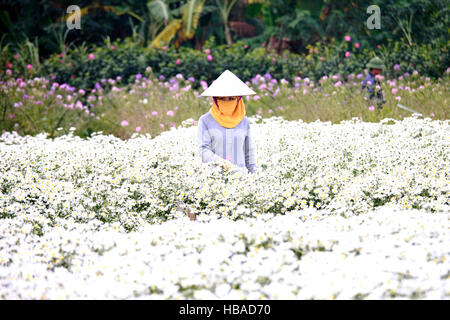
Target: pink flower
pixel 138 129
pixel 348 38
pixel 178 61
pixel 91 56
pixel 9 65
pixel 394 90
pixel 154 113
pixel 170 113
pixel 347 54
pixel 176 108
pixel 432 114
pixel 16 56
pixel 161 125
pixel 371 108
pixel 270 111
pixel 357 45
pixel 209 57
pixel 207 51
pixel 124 123
pixel 245 46
pixel 164 48
pixel 398 98
pixel 113 48
pixel 29 66
pixel 256 97
pixel 228 158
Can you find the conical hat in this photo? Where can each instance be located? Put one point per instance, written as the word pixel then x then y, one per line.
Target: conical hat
pixel 227 85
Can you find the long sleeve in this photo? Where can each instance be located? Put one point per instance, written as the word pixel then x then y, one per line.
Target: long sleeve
pixel 249 152
pixel 369 83
pixel 204 143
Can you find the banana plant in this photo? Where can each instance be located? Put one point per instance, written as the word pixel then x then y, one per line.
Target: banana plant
pixel 224 7
pixel 183 27
pixel 155 14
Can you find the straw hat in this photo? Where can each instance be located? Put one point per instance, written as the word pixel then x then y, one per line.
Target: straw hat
pixel 227 85
pixel 376 63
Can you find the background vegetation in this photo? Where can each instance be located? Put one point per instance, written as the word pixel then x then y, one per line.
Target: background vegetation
pixel 160 40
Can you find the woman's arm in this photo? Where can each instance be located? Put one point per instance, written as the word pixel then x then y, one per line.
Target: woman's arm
pixel 249 151
pixel 204 143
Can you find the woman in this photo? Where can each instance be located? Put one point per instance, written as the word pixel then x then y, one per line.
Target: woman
pixel 224 131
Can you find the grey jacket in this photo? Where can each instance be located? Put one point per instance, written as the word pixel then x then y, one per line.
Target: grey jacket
pixel 233 144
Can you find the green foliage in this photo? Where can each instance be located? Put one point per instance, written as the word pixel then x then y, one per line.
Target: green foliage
pixel 127 58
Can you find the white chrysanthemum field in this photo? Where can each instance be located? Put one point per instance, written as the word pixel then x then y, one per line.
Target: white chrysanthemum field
pixel 335 211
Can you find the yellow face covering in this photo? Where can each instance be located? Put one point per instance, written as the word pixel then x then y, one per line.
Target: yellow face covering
pixel 228 113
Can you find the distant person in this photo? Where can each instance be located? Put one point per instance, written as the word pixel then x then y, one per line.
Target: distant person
pixel 224 131
pixel 370 83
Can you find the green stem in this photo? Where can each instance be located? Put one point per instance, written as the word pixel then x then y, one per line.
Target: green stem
pixel 58 123
pixel 29 118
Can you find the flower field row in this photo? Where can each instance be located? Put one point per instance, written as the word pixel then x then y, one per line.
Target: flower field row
pixel 381 255
pixel 153 103
pixel 350 210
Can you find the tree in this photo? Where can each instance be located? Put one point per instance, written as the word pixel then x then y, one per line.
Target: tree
pixel 184 27
pixel 224 7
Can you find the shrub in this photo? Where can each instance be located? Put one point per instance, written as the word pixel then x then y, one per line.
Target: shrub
pixel 84 66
